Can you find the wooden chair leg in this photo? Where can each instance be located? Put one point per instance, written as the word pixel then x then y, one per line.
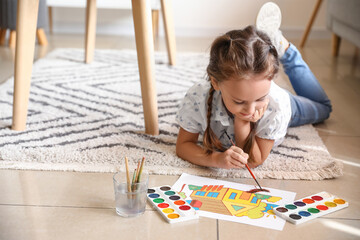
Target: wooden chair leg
pixel 310 23
pixel 2 36
pixel 155 23
pixel 166 8
pixel 27 12
pixel 335 45
pixel 50 20
pixel 145 53
pixel 41 36
pixel 12 39
pixel 90 34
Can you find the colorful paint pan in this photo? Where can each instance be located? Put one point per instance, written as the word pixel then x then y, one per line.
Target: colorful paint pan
pixel 170 205
pixel 310 207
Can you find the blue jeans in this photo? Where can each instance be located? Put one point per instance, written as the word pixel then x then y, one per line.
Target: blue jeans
pixel 311 105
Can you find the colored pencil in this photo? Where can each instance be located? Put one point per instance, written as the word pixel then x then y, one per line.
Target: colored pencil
pixel 245 164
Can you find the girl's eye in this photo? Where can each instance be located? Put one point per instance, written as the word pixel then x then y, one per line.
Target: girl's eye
pixel 261 99
pixel 238 102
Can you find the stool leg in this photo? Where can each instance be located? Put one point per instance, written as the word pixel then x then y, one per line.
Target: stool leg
pixel 155 23
pixel 166 8
pixel 145 53
pixel 335 45
pixel 90 30
pixel 310 23
pixel 12 39
pixel 2 36
pixel 50 20
pixel 41 36
pixel 27 12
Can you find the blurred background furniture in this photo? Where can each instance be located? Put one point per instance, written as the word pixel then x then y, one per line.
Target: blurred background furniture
pixel 24 54
pixel 343 20
pixel 8 9
pixel 310 23
pixel 103 4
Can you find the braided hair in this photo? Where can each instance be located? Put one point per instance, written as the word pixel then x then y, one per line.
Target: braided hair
pixel 238 54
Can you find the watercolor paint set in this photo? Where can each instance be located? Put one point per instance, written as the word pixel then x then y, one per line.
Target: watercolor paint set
pixel 170 205
pixel 310 207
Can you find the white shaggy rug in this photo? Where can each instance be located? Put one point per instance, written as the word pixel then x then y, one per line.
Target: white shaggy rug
pixel 88 117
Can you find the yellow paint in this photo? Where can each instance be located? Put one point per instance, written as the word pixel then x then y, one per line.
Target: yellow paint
pixel 168 210
pixel 330 204
pixel 239 201
pixel 271 213
pixel 254 213
pixel 273 199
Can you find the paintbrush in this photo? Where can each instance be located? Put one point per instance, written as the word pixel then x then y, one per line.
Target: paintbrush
pixel 141 168
pixel 127 174
pixel 245 164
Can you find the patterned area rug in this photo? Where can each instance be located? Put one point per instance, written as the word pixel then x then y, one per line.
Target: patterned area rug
pixel 87 117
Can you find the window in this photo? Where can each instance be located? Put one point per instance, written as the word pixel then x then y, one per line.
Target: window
pixel 200 193
pixel 232 196
pixel 212 194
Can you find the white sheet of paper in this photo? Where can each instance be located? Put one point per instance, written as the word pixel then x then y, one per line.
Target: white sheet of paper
pixel 259 213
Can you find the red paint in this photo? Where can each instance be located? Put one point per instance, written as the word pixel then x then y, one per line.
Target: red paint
pixel 185 207
pixel 322 207
pixel 163 205
pixel 308 200
pixel 316 198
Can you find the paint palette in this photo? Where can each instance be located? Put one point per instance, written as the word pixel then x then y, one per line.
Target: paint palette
pixel 170 205
pixel 310 207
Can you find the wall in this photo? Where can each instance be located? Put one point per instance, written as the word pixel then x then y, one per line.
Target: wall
pixel 201 18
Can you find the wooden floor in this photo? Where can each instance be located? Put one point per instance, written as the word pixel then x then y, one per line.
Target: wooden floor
pixel 69 205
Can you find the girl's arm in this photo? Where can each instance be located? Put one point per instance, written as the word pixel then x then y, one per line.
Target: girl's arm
pixel 188 149
pixel 261 151
pixel 261 147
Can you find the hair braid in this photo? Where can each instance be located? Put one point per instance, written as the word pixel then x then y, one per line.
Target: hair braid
pixel 210 140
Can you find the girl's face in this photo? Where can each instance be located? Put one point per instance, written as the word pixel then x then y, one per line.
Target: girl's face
pixel 243 97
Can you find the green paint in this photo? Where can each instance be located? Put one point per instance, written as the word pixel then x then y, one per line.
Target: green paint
pixel 291 206
pixel 313 210
pixel 194 188
pixel 170 193
pixel 262 196
pixel 158 200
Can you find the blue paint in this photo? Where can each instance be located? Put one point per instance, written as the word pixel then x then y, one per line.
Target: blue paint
pixel 154 195
pixel 304 213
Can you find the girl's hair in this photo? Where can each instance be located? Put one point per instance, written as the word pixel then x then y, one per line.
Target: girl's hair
pixel 238 54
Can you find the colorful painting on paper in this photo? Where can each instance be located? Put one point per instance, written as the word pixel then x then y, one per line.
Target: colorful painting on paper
pixel 230 201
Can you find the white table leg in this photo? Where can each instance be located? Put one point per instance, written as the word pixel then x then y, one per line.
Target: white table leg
pixel 27 12
pixel 90 34
pixel 145 52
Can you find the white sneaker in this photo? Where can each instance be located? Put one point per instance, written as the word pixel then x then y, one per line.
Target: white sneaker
pixel 268 20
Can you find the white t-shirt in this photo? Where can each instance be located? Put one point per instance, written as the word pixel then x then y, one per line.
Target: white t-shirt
pixel 193 110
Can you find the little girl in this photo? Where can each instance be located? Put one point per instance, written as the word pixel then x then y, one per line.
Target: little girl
pixel 240 99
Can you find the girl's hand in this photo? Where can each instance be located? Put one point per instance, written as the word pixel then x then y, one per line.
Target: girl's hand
pixel 234 157
pixel 259 112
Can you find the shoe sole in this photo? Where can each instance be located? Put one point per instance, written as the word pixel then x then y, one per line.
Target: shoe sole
pixel 269 18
